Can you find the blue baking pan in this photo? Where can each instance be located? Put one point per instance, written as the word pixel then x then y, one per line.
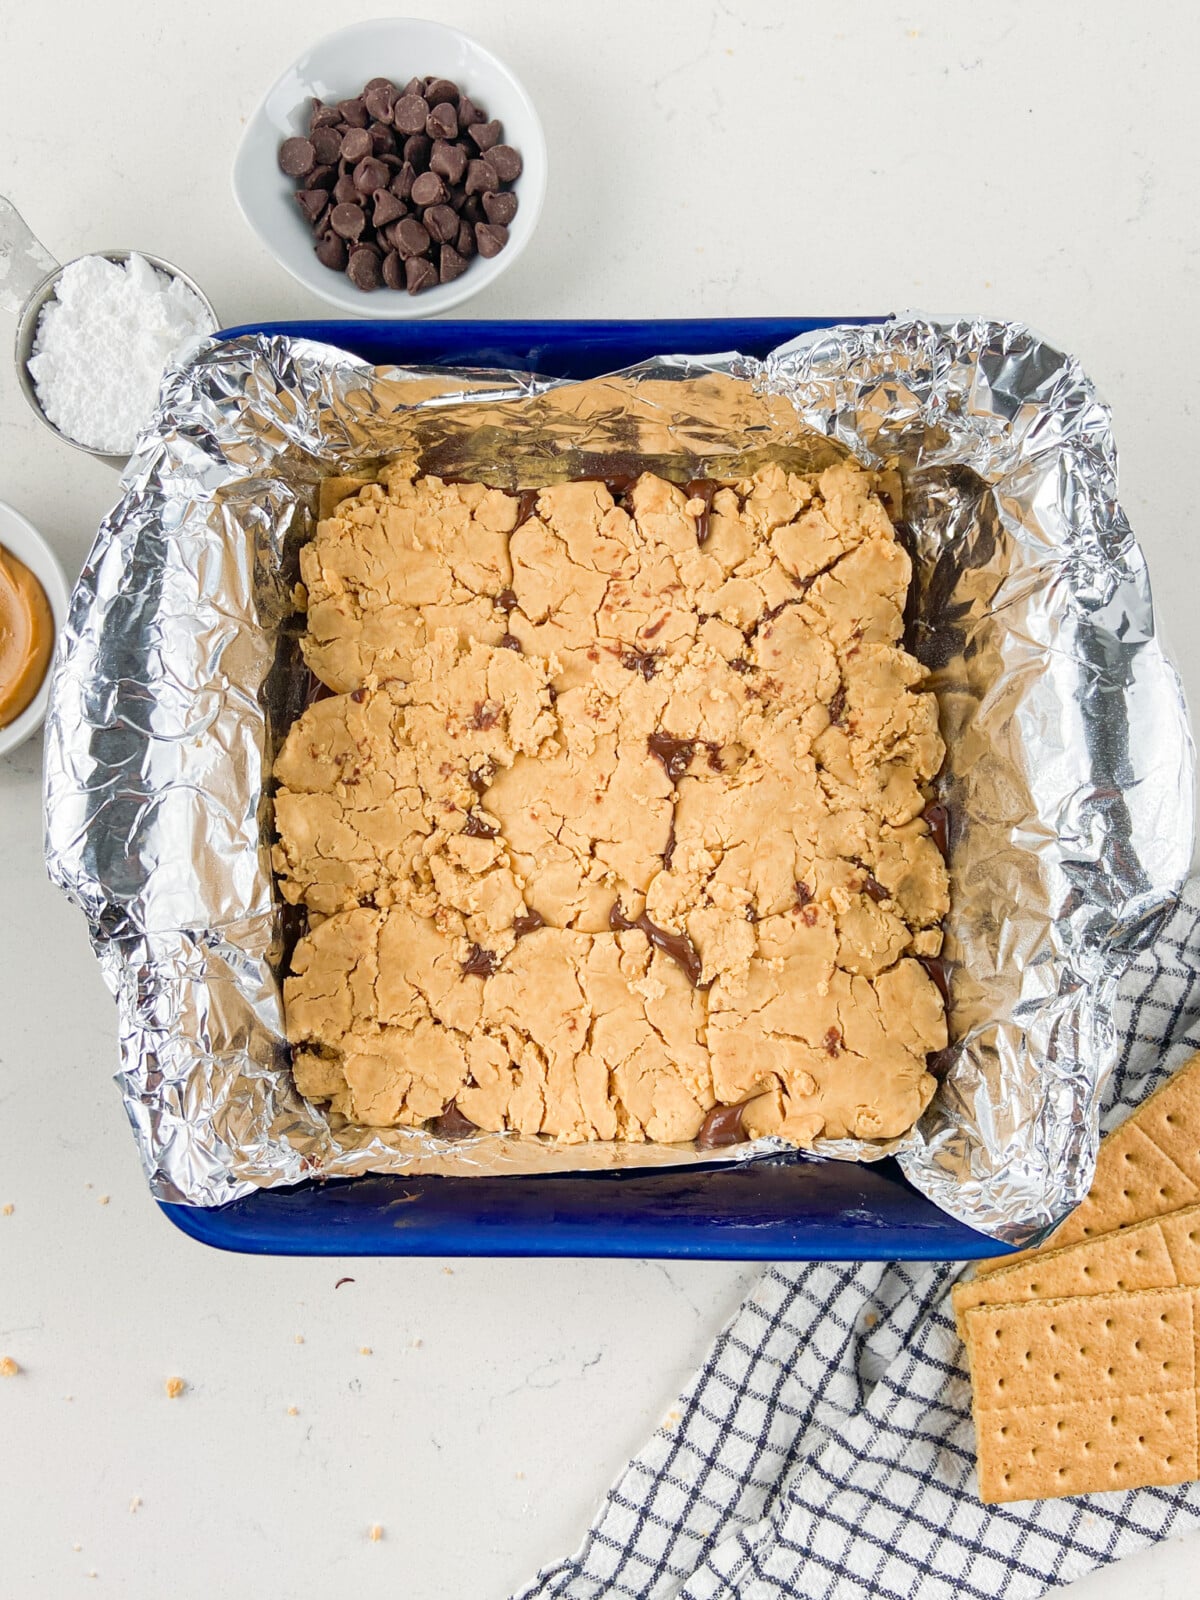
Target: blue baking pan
pixel 780 1208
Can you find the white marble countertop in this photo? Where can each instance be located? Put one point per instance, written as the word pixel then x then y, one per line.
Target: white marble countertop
pixel 746 157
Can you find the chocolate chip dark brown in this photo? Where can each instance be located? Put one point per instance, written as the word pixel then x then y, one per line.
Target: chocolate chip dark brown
pixel 353 112
pixel 344 192
pixel 465 243
pixel 506 161
pixel 416 149
pixel 356 143
pixel 370 174
pixel 722 1126
pixel 481 177
pixel 468 112
pixel 327 144
pixel 387 209
pixel 410 113
pixel 428 190
pixel 383 140
pixel 420 274
pixel 410 237
pixel 501 208
pixel 332 252
pixel 363 268
pixel 393 270
pixel 442 122
pixel 312 202
pixel 348 221
pixel 451 265
pixel 413 86
pixel 379 97
pixel 401 184
pixel 440 90
pixel 448 160
pixel 322 178
pixel 441 223
pixel 297 157
pixel 490 239
pixel 322 116
pixel 486 134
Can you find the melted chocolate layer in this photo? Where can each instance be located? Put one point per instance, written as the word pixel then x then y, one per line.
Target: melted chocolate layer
pixel 722 1126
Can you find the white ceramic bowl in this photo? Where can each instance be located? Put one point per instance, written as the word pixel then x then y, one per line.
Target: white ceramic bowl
pixel 21 539
pixel 337 67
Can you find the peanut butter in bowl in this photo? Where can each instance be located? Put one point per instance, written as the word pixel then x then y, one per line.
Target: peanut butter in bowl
pixel 26 636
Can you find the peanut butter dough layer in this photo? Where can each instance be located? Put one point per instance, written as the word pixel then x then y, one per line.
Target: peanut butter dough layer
pixel 617 814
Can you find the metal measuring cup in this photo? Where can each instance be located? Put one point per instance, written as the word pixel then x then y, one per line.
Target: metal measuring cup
pixel 29 277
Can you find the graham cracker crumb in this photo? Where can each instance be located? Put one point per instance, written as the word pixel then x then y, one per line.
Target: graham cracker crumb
pixel 174 1387
pixel 8 1367
pixel 7 1210
pixel 293 1411
pixel 365 1350
pixel 135 1502
pixel 299 1338
pixel 376 1533
pixel 104 1199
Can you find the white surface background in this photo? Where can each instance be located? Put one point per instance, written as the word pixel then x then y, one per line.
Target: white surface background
pixel 744 158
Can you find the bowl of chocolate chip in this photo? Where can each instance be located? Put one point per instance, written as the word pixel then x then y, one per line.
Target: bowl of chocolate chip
pixel 395 169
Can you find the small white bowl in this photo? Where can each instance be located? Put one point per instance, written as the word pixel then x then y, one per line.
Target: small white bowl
pixel 336 68
pixel 21 539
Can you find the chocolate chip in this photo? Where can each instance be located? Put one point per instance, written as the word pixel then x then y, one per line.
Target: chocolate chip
pixel 322 116
pixel 379 97
pixel 529 923
pixel 322 178
pixel 439 91
pixel 327 144
pixel 486 134
pixel 442 122
pixel 465 243
pixel 675 754
pixel 414 86
pixel 508 641
pixel 452 265
pixel 428 190
pixel 441 223
pixel 676 945
pixel 312 202
pixel 383 140
pixel 449 161
pixel 481 176
pixel 344 192
pixel 409 113
pixel 472 208
pixel 938 819
pixel 370 175
pixel 874 888
pixel 501 208
pixel 469 113
pixel 393 270
pixel 491 238
pixel 722 1126
pixel 401 184
pixel 354 112
pixel 480 963
pixel 416 149
pixel 452 1124
pixel 296 157
pixel 420 274
pixel 506 161
pixel 387 209
pixel 331 252
pixel 410 238
pixel 363 268
pixel 348 221
pixel 356 143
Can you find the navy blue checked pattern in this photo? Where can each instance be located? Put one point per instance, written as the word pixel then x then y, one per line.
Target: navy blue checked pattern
pixel 826 1450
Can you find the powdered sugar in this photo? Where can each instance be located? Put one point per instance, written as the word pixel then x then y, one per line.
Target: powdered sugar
pixel 103 344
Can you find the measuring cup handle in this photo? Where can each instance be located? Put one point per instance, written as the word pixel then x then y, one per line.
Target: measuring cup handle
pixel 24 259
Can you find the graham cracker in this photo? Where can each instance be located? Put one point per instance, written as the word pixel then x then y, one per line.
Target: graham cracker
pixel 1161 1253
pixel 1147 1167
pixel 1085 1394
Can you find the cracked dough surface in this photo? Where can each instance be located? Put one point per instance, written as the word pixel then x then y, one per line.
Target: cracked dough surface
pixel 616 812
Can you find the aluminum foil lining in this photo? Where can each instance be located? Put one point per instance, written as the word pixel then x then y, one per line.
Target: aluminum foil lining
pixel 1069 774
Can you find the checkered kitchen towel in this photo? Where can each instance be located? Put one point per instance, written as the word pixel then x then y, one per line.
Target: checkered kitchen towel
pixel 826 1449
